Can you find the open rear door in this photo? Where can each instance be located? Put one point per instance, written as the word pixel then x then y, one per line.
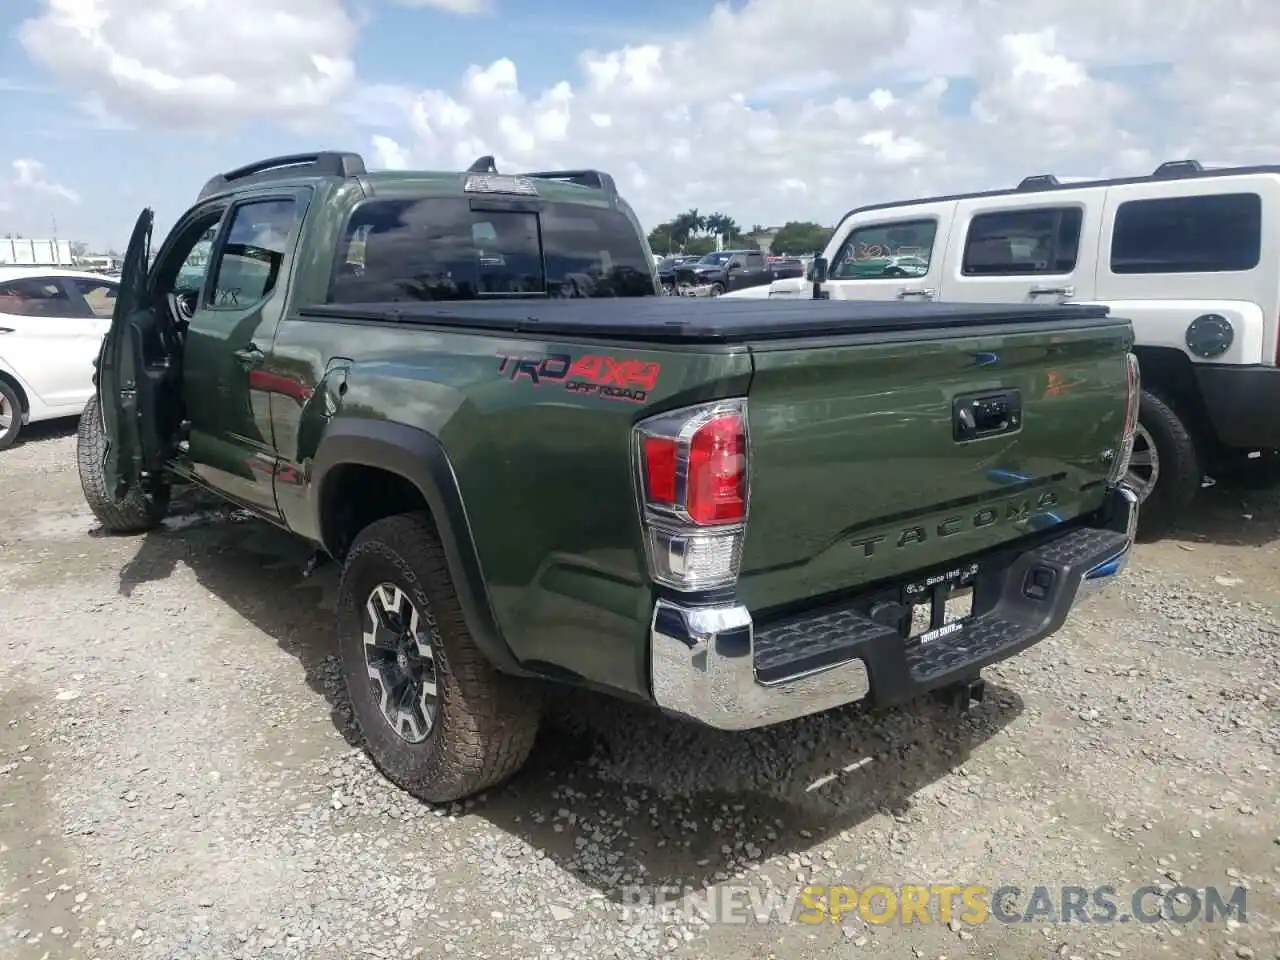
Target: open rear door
pixel 123 396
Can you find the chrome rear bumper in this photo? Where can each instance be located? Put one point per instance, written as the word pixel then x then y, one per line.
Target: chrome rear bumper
pixel 706 662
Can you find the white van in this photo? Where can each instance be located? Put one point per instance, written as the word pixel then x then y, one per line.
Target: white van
pixel 1190 254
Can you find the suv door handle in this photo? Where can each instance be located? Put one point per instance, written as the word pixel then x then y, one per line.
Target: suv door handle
pixel 250 357
pixel 1052 291
pixel 924 292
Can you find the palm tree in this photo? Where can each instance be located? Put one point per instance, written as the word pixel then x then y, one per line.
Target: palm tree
pixel 685 225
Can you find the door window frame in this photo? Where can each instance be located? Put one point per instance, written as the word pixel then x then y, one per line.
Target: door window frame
pixel 301 200
pixel 163 267
pixel 1038 208
pixel 902 221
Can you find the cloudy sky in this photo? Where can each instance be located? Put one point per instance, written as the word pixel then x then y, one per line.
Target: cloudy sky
pixel 769 110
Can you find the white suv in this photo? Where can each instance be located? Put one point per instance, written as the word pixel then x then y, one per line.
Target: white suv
pixel 1190 254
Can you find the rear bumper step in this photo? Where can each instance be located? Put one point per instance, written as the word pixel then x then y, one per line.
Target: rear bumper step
pixel 713 665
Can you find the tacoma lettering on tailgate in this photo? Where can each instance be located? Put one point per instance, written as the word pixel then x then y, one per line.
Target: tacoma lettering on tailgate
pixel 1012 511
pixel 611 377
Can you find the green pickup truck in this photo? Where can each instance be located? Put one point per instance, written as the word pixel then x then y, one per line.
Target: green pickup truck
pixel 466 388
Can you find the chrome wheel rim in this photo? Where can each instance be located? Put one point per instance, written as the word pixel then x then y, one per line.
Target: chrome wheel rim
pixel 401 663
pixel 7 414
pixel 1143 471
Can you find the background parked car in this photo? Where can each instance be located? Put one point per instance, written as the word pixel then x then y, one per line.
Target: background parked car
pixel 52 322
pixel 667 269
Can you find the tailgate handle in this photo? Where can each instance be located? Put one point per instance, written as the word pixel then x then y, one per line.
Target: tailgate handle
pixel 975 416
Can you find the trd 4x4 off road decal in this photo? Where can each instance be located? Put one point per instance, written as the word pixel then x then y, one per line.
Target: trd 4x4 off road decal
pixel 611 377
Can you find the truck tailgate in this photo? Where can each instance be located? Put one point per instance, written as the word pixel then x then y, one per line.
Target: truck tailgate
pixel 860 472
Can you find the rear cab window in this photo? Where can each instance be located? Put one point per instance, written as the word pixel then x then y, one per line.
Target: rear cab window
pixel 442 249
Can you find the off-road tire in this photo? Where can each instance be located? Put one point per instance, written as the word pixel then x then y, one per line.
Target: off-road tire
pixel 138 511
pixel 13 402
pixel 1181 467
pixel 486 721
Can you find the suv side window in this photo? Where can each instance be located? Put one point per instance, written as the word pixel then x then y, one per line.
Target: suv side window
pixel 1022 242
pixel 755 261
pixel 39 297
pixel 888 251
pixel 248 266
pixel 1214 233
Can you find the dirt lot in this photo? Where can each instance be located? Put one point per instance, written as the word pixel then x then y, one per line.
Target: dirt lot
pixel 178 780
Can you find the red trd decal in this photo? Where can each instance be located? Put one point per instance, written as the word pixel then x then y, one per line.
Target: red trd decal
pixel 611 372
pixel 613 378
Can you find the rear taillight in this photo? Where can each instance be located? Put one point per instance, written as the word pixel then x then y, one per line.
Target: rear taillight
pixel 694 490
pixel 1132 399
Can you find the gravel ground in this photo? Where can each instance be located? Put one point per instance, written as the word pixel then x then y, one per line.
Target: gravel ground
pixel 178 777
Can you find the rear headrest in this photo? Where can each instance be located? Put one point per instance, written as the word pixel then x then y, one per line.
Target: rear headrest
pixel 996 252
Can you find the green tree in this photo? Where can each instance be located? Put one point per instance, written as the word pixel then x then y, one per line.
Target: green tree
pixel 662 239
pixel 800 238
pixel 700 245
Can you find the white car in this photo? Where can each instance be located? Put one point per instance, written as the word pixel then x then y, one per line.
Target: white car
pixel 52 321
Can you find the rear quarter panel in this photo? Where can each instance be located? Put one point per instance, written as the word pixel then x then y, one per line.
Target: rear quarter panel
pixel 545 470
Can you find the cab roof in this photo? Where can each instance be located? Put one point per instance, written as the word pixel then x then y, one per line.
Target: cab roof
pixel 565 186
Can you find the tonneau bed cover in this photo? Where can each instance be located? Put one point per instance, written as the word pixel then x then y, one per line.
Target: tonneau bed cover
pixel 706 320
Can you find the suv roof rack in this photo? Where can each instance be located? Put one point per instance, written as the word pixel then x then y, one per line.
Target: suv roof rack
pixel 327 163
pixel 1178 168
pixel 1038 181
pixel 595 179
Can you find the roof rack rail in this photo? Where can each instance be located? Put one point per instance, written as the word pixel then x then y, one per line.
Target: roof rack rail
pixel 596 179
pixel 1038 181
pixel 485 164
pixel 327 163
pixel 1178 168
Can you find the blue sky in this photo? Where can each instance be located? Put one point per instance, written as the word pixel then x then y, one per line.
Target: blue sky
pixel 745 108
pixel 117 171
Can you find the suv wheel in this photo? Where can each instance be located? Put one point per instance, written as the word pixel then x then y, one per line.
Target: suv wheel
pixel 438 720
pixel 1165 470
pixel 136 512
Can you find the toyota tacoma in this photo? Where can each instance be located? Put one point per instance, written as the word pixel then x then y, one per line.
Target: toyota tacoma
pixel 465 389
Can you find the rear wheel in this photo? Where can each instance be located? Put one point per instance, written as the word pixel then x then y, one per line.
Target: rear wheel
pixel 136 512
pixel 1165 470
pixel 10 415
pixel 438 720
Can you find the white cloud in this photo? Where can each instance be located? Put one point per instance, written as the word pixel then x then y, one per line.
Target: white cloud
pixel 464 8
pixel 198 61
pixel 29 177
pixel 768 109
